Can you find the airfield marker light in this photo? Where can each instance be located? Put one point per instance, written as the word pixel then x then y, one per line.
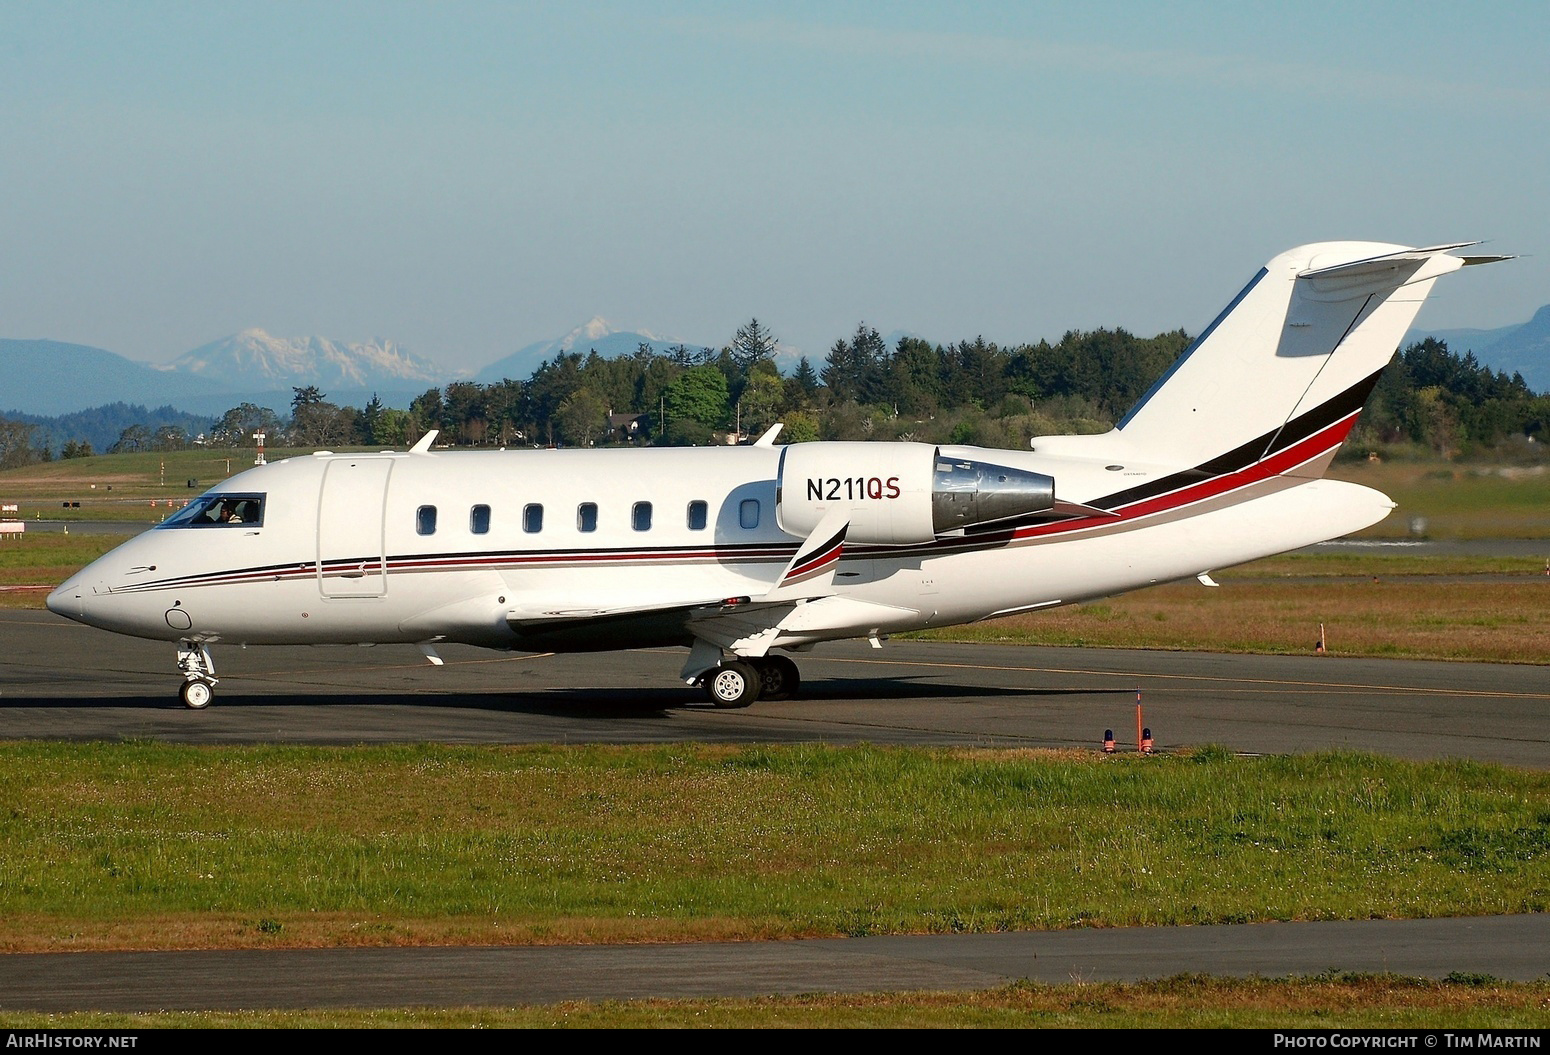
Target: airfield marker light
pixel 1146 741
pixel 1138 719
pixel 1108 741
pixel 1320 647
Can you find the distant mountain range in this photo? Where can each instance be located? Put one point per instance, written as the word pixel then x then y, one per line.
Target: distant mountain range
pixel 596 336
pixel 52 378
pixel 1520 349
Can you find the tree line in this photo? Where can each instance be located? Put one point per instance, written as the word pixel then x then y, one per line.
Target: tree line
pixel 971 391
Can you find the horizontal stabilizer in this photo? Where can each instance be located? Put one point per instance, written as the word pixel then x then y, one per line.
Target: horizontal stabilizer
pixel 1384 262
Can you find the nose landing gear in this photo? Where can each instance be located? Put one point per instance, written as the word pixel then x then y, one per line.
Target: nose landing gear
pixel 199 678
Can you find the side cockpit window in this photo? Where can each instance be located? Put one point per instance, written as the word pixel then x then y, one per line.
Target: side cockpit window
pixel 220 510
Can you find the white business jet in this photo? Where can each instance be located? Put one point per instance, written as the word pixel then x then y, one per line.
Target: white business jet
pixel 745 554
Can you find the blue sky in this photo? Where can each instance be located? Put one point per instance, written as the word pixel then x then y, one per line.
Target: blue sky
pixel 469 178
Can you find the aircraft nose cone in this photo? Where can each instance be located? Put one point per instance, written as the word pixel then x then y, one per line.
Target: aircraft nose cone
pixel 66 599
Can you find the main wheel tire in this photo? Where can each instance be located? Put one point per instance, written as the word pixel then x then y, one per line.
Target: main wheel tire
pixel 779 678
pixel 196 695
pixel 734 684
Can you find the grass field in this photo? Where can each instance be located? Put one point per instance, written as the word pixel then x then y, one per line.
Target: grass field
pixel 149 845
pixel 1503 619
pixel 1456 501
pixel 137 488
pixel 141 845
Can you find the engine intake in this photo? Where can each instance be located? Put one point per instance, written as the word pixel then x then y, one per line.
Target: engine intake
pixel 900 494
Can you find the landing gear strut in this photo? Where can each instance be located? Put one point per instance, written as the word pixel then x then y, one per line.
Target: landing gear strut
pixel 198 674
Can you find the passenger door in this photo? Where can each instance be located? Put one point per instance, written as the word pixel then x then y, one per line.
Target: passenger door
pixel 352 558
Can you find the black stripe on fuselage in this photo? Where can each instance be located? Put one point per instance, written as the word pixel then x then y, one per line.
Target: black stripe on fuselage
pixel 1254 451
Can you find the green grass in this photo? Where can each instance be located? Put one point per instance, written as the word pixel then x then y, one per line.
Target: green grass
pixel 1382 565
pixel 133 488
pixel 1457 500
pixel 141 844
pixel 50 557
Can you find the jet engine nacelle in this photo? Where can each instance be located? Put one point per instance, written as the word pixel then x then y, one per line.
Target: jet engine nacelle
pixel 900 494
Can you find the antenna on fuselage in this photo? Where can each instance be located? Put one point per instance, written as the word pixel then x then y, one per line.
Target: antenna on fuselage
pixel 423 444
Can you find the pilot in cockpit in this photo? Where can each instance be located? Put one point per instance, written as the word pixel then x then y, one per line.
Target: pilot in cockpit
pixel 230 513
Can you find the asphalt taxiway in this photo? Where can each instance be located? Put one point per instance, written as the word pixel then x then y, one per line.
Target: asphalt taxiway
pixel 61 681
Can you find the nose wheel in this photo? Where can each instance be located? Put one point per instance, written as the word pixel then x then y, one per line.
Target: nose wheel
pixel 196 694
pixel 199 679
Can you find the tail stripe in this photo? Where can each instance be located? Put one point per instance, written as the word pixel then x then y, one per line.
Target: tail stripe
pixel 1258 449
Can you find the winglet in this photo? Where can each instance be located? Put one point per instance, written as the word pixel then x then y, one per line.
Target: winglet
pixel 423 444
pixel 768 439
pixel 811 571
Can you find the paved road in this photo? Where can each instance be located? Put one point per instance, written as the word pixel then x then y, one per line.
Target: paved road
pixel 64 681
pixel 1511 947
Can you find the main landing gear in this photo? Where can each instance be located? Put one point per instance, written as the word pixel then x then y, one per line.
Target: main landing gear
pixel 198 675
pixel 739 682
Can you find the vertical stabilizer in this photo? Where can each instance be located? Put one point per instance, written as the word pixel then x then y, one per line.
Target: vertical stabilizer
pixel 1291 360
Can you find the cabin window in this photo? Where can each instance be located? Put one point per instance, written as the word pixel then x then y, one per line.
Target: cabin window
pixel 533 518
pixel 640 516
pixel 220 510
pixel 586 516
pixel 425 520
pixel 748 513
pixel 479 520
pixel 697 516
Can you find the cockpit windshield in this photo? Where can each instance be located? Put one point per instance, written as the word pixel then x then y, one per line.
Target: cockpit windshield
pixel 220 510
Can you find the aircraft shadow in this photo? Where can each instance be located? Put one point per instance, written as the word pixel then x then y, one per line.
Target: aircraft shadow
pixel 587 703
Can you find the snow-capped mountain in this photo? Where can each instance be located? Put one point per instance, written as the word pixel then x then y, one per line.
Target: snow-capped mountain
pixel 596 335
pixel 254 359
